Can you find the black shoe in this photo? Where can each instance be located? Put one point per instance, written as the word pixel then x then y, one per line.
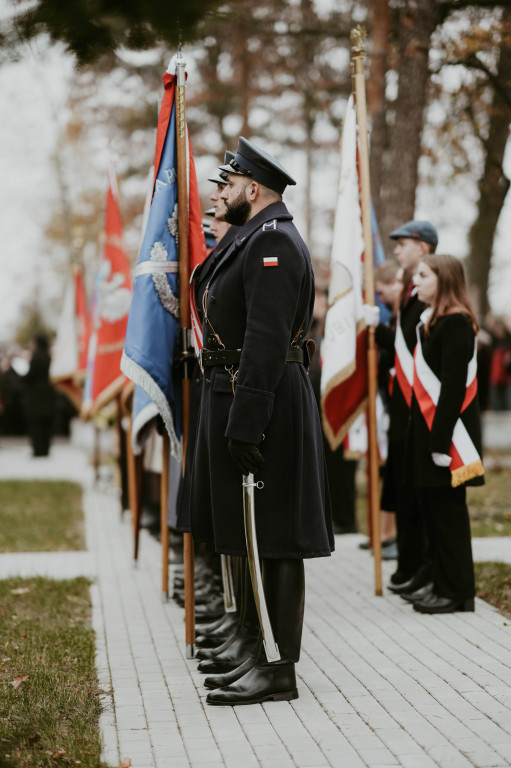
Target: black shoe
pixel 213 651
pixel 344 529
pixel 215 637
pixel 220 681
pixel 419 594
pixel 231 657
pixel 206 628
pixel 398 578
pixel 436 604
pixel 263 682
pixel 213 609
pixel 386 543
pixel 412 585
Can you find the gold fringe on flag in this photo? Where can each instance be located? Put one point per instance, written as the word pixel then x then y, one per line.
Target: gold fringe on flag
pixel 468 472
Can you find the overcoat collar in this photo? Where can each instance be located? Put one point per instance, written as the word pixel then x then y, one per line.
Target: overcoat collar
pixel 273 211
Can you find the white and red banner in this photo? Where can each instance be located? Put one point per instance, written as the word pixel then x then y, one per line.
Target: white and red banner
pixel 465 460
pixel 109 314
pixel 343 350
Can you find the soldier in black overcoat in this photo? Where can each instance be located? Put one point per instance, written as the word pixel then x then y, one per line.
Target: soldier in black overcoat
pixel 444 440
pixel 413 240
pixel 258 412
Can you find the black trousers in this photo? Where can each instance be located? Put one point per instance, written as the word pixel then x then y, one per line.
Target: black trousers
pixel 39 429
pixel 412 540
pixel 446 515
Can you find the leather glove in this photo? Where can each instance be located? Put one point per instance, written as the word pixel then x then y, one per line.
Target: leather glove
pixel 185 356
pixel 246 456
pixel 441 459
pixel 371 314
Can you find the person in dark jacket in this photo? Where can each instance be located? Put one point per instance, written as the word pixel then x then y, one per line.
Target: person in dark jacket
pixel 39 398
pixel 258 412
pixel 444 445
pixel 413 241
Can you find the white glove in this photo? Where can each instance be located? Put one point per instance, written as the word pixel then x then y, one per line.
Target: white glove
pixel 441 459
pixel 371 314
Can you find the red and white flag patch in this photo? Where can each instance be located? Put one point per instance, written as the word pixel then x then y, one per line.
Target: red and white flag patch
pixel 271 261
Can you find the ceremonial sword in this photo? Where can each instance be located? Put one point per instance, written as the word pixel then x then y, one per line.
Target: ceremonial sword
pixel 254 566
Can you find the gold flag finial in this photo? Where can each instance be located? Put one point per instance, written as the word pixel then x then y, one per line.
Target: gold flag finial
pixel 358 36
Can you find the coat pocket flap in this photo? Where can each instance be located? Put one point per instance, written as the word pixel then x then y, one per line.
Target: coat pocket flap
pixel 222 382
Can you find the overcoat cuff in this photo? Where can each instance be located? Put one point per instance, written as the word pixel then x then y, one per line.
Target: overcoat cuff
pixel 249 414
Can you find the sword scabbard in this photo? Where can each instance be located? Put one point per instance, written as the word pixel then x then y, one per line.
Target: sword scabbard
pixel 254 566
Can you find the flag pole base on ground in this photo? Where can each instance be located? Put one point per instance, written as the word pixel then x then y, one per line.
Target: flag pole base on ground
pixel 190 651
pixel 164 597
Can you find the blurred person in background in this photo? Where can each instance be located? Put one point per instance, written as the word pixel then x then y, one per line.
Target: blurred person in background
pixel 500 366
pixel 12 417
pixel 340 471
pixel 444 443
pixel 39 398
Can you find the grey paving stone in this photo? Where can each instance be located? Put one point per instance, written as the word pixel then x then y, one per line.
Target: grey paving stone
pixel 379 685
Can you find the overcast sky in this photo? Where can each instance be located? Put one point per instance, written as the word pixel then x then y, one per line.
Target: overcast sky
pixel 32 97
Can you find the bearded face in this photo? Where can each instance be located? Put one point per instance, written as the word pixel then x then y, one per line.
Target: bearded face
pixel 238 208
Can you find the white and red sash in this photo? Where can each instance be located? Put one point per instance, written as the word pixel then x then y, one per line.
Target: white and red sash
pixel 403 364
pixel 197 338
pixel 466 462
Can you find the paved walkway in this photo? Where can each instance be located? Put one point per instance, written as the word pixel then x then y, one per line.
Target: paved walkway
pixel 379 684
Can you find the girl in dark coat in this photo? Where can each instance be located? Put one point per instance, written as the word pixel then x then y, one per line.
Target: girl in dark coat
pixel 445 435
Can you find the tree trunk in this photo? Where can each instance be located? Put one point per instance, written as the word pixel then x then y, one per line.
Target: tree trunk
pixel 494 184
pixel 309 117
pixel 378 62
pixel 416 23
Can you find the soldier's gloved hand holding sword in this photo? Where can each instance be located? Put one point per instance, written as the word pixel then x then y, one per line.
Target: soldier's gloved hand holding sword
pixel 246 456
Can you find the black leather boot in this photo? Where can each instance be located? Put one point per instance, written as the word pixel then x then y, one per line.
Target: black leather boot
pixel 284 586
pixel 219 681
pixel 219 635
pixel 240 645
pixel 213 635
pixel 208 652
pixel 245 601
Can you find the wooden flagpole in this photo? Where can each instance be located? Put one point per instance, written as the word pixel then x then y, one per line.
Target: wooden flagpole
pixel 164 527
pixel 358 36
pixel 134 469
pixel 184 313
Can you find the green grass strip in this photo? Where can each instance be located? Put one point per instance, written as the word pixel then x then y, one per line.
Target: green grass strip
pixel 41 516
pixel 49 696
pixel 493 584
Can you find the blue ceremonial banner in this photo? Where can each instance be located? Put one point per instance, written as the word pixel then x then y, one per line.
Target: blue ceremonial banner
pixel 153 323
pixel 144 411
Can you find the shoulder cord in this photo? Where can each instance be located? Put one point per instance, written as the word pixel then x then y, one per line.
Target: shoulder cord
pixel 206 317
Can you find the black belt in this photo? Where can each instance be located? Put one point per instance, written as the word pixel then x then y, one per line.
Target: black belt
pixel 233 356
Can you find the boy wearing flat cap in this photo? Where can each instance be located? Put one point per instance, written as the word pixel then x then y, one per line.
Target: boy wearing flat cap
pixel 413 240
pixel 258 415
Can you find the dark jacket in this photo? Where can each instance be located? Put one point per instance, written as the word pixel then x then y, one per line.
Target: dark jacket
pixel 409 316
pixel 260 310
pixel 196 380
pixel 447 349
pixel 39 393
